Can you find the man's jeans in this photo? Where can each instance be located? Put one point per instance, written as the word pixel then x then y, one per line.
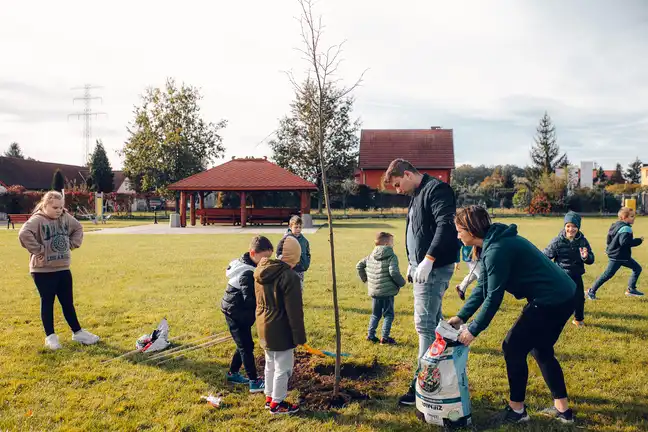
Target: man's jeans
pixel 427 305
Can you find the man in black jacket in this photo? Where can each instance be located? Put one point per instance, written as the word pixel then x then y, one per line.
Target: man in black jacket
pixel 431 244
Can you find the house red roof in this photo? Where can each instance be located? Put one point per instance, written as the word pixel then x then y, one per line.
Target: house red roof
pixel 37 175
pixel 424 148
pixel 247 174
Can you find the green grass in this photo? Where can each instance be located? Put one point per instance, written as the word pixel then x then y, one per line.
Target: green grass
pixel 125 285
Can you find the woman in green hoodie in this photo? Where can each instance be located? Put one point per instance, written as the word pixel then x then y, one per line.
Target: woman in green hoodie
pixel 512 263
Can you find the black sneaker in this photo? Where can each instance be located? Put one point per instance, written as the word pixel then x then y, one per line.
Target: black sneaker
pixel 387 341
pixel 373 339
pixel 284 408
pixel 408 399
pixel 510 416
pixel 591 295
pixel 563 417
pixel 632 292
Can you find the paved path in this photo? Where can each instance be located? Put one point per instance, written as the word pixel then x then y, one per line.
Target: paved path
pixel 165 229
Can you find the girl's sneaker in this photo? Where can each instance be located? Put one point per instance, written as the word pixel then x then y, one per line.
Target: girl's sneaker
pixel 257 386
pixel 283 408
pixel 566 417
pixel 85 337
pixel 52 342
pixel 237 378
pixel 268 402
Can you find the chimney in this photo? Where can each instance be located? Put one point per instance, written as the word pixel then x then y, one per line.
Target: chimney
pixel 435 127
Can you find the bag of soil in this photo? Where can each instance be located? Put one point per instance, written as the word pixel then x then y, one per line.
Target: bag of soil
pixel 442 395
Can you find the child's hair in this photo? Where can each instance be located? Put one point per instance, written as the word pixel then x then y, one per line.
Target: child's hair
pixel 625 212
pixel 47 198
pixel 261 244
pixel 295 220
pixel 382 238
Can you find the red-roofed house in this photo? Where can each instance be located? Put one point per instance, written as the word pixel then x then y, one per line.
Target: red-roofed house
pixel 431 151
pixel 241 176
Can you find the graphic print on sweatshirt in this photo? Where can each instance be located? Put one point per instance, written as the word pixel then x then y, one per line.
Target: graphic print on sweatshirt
pixel 56 240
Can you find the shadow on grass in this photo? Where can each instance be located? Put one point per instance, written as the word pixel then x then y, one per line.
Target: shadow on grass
pixel 615 315
pixel 362 225
pixel 626 330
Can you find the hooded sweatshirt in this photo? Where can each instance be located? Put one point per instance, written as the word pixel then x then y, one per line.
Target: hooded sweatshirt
pixel 49 241
pixel 239 301
pixel 380 270
pixel 512 263
pixel 279 310
pixel 620 241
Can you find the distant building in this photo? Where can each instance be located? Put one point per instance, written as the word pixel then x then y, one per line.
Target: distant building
pixel 431 151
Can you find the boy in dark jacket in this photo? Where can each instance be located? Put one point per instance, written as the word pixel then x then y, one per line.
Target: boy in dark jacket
pixel 571 251
pixel 280 321
pixel 295 230
pixel 381 270
pixel 620 242
pixel 239 305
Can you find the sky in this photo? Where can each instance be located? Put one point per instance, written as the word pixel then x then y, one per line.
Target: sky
pixel 487 70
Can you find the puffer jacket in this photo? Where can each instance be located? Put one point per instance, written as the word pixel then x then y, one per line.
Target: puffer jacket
pixel 567 255
pixel 239 301
pixel 620 241
pixel 380 270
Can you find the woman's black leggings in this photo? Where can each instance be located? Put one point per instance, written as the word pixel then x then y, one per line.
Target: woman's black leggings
pixel 52 285
pixel 536 331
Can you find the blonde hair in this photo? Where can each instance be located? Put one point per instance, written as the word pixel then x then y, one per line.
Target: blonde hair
pixel 625 212
pixel 47 198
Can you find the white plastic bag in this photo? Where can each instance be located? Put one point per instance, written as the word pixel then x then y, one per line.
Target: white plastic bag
pixel 156 341
pixel 442 394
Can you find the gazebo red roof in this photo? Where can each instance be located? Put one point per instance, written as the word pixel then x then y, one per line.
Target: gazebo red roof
pixel 246 174
pixel 425 148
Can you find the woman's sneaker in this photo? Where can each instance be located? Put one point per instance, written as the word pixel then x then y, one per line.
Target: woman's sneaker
pixel 563 417
pixel 85 337
pixel 52 342
pixel 578 323
pixel 237 378
pixel 257 385
pixel 283 407
pixel 632 292
pixel 510 416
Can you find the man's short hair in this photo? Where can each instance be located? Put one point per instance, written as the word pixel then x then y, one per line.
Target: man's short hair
pixel 261 244
pixel 397 168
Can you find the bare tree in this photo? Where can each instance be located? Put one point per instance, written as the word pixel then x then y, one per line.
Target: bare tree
pixel 323 67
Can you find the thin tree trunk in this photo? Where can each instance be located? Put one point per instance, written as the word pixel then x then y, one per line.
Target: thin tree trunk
pixel 338 334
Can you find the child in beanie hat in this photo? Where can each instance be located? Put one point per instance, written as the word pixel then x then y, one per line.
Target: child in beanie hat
pixel 280 321
pixel 571 251
pixel 290 251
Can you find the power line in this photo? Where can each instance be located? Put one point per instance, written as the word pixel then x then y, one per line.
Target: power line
pixel 87 114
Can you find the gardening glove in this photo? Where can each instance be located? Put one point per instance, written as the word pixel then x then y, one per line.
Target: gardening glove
pixel 423 270
pixel 409 273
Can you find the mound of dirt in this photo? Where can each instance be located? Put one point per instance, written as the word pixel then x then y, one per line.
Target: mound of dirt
pixel 315 379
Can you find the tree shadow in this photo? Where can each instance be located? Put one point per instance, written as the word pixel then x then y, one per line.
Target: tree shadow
pixel 615 315
pixel 621 329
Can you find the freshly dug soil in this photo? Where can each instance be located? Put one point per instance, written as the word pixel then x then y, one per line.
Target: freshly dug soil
pixel 314 378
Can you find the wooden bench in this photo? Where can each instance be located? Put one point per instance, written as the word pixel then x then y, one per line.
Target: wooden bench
pixel 219 215
pixel 270 215
pixel 17 218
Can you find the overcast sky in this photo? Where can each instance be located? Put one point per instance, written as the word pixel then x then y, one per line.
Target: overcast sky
pixel 487 69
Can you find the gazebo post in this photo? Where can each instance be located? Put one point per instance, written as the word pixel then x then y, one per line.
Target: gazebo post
pixel 183 209
pixel 243 210
pixel 201 196
pixel 307 219
pixel 192 208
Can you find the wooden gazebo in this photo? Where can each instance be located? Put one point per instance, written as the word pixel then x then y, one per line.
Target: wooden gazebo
pixel 242 176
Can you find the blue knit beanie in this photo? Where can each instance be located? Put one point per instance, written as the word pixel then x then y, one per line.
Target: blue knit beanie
pixel 573 217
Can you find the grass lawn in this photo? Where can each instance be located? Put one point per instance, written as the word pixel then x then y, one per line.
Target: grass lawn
pixel 124 285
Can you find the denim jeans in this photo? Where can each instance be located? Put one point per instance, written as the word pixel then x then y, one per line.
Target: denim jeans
pixel 382 307
pixel 613 267
pixel 427 305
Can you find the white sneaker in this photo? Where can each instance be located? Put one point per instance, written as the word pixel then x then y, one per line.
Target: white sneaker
pixel 85 337
pixel 52 342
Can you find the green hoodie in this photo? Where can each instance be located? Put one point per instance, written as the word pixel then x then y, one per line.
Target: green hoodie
pixel 380 269
pixel 512 263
